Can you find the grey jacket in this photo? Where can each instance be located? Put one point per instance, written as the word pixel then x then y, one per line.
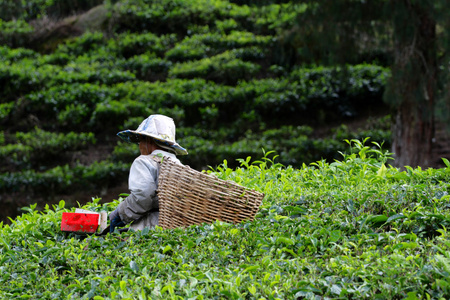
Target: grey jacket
pixel 141 207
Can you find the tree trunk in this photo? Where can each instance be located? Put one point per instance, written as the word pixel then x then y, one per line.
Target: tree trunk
pixel 413 84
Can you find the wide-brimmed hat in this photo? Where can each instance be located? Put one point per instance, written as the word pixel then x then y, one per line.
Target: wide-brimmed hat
pixel 159 127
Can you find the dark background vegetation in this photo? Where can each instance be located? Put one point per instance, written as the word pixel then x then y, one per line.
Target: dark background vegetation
pixel 232 75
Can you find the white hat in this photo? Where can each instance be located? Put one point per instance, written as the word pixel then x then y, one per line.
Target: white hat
pixel 159 127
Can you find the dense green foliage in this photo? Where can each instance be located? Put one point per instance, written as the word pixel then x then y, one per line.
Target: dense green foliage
pixel 353 228
pixel 337 220
pixel 214 66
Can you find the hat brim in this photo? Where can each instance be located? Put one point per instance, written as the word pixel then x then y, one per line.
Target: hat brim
pixel 132 136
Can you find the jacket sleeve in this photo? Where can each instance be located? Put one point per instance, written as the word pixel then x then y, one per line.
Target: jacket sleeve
pixel 142 183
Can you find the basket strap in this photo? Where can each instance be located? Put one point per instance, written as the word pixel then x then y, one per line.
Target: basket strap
pixel 157 159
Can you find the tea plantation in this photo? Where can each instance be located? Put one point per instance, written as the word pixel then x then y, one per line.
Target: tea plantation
pixel 337 221
pixel 351 229
pixel 70 82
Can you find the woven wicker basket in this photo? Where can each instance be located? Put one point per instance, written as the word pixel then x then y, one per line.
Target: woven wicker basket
pixel 189 197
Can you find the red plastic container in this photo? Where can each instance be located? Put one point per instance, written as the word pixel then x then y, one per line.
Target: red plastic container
pixel 79 222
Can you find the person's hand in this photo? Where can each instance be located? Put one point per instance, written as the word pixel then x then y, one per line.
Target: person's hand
pixel 116 221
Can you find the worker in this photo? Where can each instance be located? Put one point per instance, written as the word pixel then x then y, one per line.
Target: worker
pixel 156 138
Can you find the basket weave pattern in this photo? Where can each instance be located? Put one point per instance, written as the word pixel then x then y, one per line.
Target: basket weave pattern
pixel 189 197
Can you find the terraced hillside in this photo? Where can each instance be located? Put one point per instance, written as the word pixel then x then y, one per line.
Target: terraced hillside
pixel 72 76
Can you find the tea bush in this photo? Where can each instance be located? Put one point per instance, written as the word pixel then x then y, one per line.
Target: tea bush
pixel 14 33
pixel 68 102
pixel 186 51
pixel 223 68
pixel 5 110
pixel 355 228
pixel 170 16
pixel 30 149
pixel 295 145
pixel 24 77
pixel 275 17
pixel 129 45
pixel 146 67
pixel 84 44
pixel 8 54
pixel 36 9
pixel 21 79
pixel 61 178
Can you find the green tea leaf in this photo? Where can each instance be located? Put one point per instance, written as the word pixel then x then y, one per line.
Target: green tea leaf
pixel 61 204
pixel 377 219
pixel 123 285
pixel 446 162
pixel 382 171
pixel 395 217
pixel 251 268
pixel 335 236
pixel 193 283
pixel 284 240
pixel 252 289
pixel 167 249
